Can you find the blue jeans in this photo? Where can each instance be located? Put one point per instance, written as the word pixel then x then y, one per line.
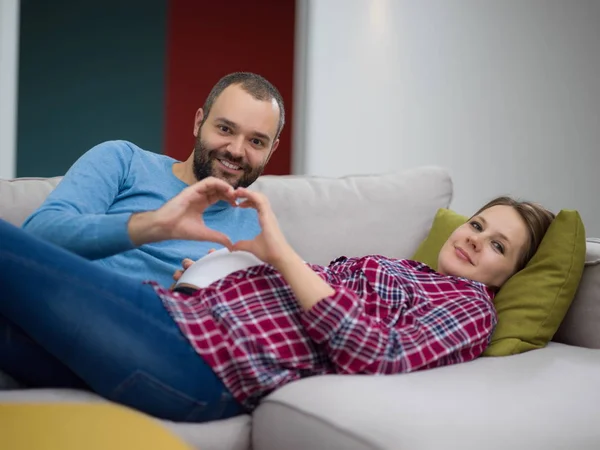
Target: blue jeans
pixel 66 322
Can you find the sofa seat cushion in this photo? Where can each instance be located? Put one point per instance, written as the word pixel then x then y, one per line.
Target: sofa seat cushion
pixel 74 426
pixel 545 398
pixel 230 434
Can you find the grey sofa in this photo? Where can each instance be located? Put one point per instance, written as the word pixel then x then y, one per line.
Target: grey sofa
pixel 545 398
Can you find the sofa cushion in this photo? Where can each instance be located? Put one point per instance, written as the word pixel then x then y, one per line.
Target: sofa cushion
pixel 581 325
pixel 532 303
pixel 21 196
pixel 389 214
pixel 230 434
pixel 546 399
pixel 75 426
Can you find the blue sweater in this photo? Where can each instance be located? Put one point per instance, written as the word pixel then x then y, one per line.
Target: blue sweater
pixel 89 210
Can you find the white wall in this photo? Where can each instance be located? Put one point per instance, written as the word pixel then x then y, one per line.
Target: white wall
pixel 506 94
pixel 9 37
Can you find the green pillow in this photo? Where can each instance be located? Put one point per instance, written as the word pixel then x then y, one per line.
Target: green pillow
pixel 444 224
pixel 533 302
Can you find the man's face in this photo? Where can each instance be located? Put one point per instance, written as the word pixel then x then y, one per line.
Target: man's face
pixel 236 140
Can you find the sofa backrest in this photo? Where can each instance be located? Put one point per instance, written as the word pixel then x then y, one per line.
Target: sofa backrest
pixel 581 325
pixel 389 214
pixel 21 196
pixel 324 218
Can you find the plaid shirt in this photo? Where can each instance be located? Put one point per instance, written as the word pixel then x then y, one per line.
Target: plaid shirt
pixel 386 316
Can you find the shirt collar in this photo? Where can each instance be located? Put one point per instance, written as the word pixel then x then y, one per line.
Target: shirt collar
pixel 217 207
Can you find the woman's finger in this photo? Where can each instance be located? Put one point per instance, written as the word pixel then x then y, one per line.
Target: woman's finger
pixel 245 246
pixel 249 246
pixel 216 237
pixel 247 193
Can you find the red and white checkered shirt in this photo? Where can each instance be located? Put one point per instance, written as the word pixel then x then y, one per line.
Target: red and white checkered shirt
pixel 386 316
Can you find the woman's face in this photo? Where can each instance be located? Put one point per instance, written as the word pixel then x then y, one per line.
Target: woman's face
pixel 487 248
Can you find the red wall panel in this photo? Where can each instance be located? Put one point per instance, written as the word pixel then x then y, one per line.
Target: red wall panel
pixel 209 39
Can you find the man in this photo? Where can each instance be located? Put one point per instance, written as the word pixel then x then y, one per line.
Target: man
pixel 104 208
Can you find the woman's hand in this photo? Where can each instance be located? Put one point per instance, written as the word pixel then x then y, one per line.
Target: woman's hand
pixel 181 217
pixel 270 245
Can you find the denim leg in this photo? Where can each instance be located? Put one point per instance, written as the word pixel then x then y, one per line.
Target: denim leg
pixel 111 331
pixel 30 364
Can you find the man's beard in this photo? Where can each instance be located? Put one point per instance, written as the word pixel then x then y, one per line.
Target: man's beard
pixel 205 160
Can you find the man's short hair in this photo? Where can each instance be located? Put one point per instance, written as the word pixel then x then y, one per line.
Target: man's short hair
pixel 255 85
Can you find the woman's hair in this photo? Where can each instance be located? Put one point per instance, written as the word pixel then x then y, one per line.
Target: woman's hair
pixel 537 220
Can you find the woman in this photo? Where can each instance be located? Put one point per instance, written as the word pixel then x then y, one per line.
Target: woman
pixel 217 352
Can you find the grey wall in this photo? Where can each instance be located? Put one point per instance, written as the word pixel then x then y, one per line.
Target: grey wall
pixel 506 94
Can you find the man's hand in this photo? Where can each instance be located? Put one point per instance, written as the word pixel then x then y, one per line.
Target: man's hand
pixel 270 245
pixel 185 264
pixel 181 217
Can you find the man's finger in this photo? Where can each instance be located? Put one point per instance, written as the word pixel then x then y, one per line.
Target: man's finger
pixel 212 184
pixel 186 263
pixel 211 189
pixel 214 195
pixel 177 275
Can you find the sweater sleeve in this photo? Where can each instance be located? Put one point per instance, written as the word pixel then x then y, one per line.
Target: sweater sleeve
pixel 75 214
pixel 455 331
